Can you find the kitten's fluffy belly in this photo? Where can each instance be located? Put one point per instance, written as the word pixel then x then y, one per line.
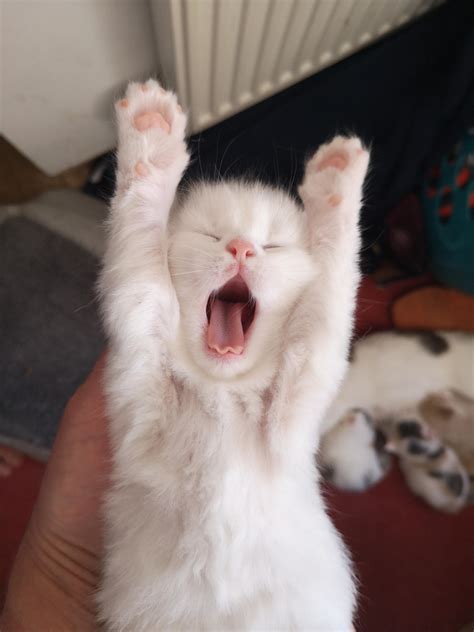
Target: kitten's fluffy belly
pixel 222 541
pixel 214 519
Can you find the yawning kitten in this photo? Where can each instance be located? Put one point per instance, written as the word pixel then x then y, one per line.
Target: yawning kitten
pixel 229 321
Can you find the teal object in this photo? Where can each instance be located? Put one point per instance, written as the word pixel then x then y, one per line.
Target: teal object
pixel 448 202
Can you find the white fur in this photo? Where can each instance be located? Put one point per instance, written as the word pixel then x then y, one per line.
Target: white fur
pixel 393 370
pixel 348 452
pixel 214 519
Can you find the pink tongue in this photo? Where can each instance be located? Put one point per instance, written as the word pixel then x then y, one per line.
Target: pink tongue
pixel 225 333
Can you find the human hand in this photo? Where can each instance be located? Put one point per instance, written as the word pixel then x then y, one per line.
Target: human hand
pixel 58 564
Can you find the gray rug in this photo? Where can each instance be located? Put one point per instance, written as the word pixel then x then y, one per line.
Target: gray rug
pixel 50 335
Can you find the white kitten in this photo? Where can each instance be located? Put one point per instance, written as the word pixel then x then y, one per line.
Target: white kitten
pixel 392 370
pixel 349 454
pixel 229 328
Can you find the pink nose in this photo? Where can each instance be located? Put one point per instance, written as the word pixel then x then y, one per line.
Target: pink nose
pixel 240 249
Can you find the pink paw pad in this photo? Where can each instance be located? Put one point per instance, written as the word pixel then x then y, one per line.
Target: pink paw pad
pixel 151 119
pixel 141 169
pixel 123 103
pixel 334 199
pixel 337 160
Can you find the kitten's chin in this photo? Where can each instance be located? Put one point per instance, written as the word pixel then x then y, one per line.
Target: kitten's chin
pixel 255 362
pixel 231 366
pixel 252 360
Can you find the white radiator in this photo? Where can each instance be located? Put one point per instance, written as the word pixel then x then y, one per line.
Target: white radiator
pixel 224 55
pixel 220 55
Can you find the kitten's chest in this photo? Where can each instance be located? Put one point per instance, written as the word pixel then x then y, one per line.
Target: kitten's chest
pixel 214 434
pixel 222 420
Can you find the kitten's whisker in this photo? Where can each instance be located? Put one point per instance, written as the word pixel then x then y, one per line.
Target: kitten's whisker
pixel 361 299
pixel 198 250
pixel 229 145
pixel 188 272
pixel 181 260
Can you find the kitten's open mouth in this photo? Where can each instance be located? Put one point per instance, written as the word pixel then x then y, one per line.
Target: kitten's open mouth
pixel 230 312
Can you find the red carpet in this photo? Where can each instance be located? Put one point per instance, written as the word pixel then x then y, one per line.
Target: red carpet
pixel 415 565
pixel 17 496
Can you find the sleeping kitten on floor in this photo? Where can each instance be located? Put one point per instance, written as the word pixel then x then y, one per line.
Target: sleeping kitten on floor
pixel 446 416
pixel 351 454
pixel 392 370
pixel 388 372
pixel 432 470
pixel 229 318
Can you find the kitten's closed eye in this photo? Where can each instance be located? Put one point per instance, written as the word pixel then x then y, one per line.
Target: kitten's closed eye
pixel 272 246
pixel 213 237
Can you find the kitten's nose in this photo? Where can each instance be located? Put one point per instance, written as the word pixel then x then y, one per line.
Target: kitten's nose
pixel 240 249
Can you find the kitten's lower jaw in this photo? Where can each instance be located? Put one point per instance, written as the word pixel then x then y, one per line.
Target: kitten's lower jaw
pixel 231 355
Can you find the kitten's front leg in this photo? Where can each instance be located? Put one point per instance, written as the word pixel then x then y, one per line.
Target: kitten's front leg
pixel 332 196
pixel 320 327
pixel 332 193
pixel 138 297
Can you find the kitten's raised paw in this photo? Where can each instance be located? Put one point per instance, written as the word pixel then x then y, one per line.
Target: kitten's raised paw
pixel 341 153
pixel 336 172
pixel 151 131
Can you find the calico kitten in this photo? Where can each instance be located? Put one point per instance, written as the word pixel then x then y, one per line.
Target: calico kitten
pixel 431 469
pixel 448 415
pixel 229 318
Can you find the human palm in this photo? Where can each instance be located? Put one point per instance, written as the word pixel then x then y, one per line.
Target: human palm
pixel 59 560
